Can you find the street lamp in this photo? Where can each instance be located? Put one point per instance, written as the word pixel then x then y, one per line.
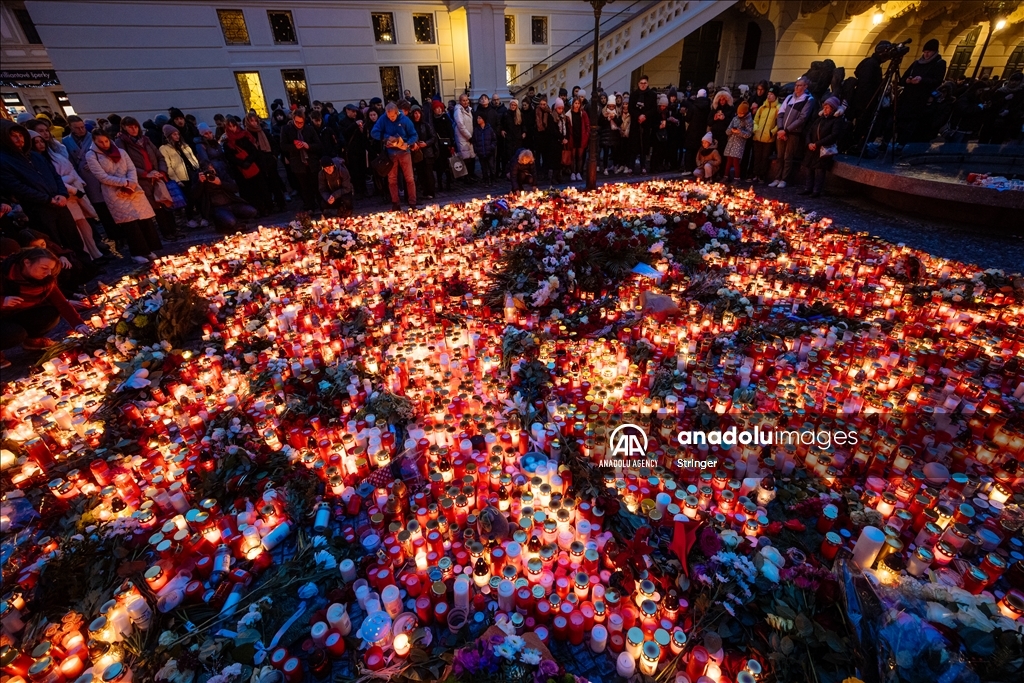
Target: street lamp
pixel 595 105
pixel 996 22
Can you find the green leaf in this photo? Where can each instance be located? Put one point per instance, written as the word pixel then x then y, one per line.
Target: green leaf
pixel 804 626
pixel 787 646
pixel 784 610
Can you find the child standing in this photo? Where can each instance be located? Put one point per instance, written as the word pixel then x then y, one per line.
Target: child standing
pixel 740 130
pixel 485 146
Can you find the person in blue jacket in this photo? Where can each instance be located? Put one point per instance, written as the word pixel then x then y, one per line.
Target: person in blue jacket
pixel 397 133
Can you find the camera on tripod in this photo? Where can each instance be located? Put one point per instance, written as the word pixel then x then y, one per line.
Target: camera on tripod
pixel 895 51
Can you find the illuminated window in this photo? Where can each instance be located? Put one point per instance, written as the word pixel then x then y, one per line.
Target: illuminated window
pixel 232 25
pixel 430 83
pixel 391 83
pixel 423 27
pixel 295 86
pixel 384 27
pixel 64 102
pixel 251 89
pixel 510 28
pixel 511 73
pixel 539 30
pixel 282 27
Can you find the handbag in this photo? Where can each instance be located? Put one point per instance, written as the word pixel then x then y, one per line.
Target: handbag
pixel 160 193
pixel 382 163
pixel 828 151
pixel 417 155
pixel 458 166
pixel 178 200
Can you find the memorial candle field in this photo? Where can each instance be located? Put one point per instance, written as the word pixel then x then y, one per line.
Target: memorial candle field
pixel 660 430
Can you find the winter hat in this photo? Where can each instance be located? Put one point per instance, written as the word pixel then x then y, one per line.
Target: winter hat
pixel 326 162
pixel 438 105
pixel 702 93
pixel 744 88
pixel 931 46
pixel 161 119
pixel 376 100
pixel 562 92
pixel 558 103
pixel 25 117
pixel 32 135
pixel 662 100
pixel 202 128
pixel 175 113
pixel 351 107
pixel 168 129
pixel 708 138
pixel 832 102
pixel 536 100
pixel 582 94
pixel 742 110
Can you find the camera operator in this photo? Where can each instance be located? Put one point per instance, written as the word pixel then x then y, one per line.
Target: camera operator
pixel 217 202
pixel 919 81
pixel 865 97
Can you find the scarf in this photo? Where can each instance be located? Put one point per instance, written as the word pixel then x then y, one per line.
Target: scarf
pixel 258 137
pixel 922 60
pixel 113 152
pixel 139 144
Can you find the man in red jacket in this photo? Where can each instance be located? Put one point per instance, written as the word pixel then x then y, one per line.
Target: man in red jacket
pixel 31 304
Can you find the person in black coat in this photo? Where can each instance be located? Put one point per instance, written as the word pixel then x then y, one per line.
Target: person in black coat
pixel 523 170
pixel 643 105
pixel 300 144
pixel 697 111
pixel 329 143
pixel 444 131
pixel 869 76
pixel 426 145
pixel 353 141
pixel 31 178
pixel 823 133
pixel 919 81
pixel 335 186
pixel 513 127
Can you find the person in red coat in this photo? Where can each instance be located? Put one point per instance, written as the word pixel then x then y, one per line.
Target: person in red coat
pixel 31 303
pixel 579 138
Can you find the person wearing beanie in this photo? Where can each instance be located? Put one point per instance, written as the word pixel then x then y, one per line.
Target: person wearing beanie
pixel 335 185
pixel 741 128
pixel 217 202
pixel 24 117
pixel 182 168
pixel 186 129
pixel 209 151
pixel 920 79
pixel 666 137
pixel 823 132
pixel 708 158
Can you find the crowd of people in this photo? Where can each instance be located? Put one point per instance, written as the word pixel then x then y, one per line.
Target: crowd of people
pixel 73 190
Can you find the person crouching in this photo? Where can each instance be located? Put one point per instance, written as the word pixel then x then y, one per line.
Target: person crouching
pixel 708 158
pixel 335 185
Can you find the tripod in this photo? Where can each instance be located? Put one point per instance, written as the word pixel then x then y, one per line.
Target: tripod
pixel 889 84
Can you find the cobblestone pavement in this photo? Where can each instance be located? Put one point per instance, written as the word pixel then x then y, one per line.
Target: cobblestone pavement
pixel 986 246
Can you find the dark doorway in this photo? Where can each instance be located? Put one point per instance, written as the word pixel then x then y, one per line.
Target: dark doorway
pixel 700 55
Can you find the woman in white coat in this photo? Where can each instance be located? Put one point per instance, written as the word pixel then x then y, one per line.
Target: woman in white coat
pixel 78 204
pixel 182 168
pixel 464 122
pixel 123 196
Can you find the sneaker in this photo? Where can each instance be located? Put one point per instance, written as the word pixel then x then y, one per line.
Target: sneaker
pixel 782 184
pixel 643 171
pixel 37 344
pixel 140 259
pixel 606 171
pixel 774 183
pixel 192 224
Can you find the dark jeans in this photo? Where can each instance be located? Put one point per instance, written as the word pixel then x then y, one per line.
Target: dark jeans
pixel 306 181
pixel 816 179
pixel 444 172
pixel 762 159
pixel 425 171
pixel 640 137
pixel 58 223
pixel 30 323
pixel 142 236
pixel 225 217
pixel 402 161
pixel 788 151
pixel 487 167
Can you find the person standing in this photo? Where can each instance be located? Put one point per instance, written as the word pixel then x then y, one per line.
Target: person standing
pixel 444 129
pixel 485 145
pixel 741 128
pixel 865 96
pixel 610 131
pixel 561 150
pixel 31 178
pixel 182 168
pixel 464 124
pixel 126 200
pixel 579 137
pixel 643 104
pixel 765 128
pixel 823 132
pixel 151 169
pixel 697 112
pixel 919 81
pixel 397 133
pixel 78 204
pixel 424 150
pixel 722 111
pixel 301 145
pixel 550 153
pixel 513 130
pixel 793 114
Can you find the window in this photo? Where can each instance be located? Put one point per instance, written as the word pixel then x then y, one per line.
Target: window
pixel 28 27
pixel 391 83
pixel 751 46
pixel 962 55
pixel 511 73
pixel 232 25
pixel 384 27
pixel 251 90
pixel 282 26
pixel 64 102
pixel 539 30
pixel 423 27
pixel 1015 61
pixel 430 83
pixel 510 28
pixel 295 86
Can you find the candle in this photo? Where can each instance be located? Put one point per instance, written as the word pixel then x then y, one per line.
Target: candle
pixel 402 644
pixel 598 638
pixel 868 544
pixel 625 665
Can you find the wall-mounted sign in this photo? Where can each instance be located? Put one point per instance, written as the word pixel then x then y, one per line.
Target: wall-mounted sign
pixel 23 78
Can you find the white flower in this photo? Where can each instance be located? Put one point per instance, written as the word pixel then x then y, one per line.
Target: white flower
pixel 515 642
pixel 249 620
pixel 505 650
pixel 325 559
pixel 319 540
pixel 530 657
pixel 657 247
pixel 770 572
pixel 166 638
pixel 771 554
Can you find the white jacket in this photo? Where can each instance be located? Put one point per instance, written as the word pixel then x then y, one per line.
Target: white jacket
pixel 175 164
pixel 464 131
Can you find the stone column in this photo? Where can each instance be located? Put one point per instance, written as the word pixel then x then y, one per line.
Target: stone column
pixel 485 24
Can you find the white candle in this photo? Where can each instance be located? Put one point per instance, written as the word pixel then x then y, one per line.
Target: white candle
pixel 625 665
pixel 598 638
pixel 392 600
pixel 461 593
pixel 348 571
pixel 867 547
pixel 506 596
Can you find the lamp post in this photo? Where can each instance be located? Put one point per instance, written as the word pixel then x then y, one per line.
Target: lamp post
pixel 598 5
pixel 995 23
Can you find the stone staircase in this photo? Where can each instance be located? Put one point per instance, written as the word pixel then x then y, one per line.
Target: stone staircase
pixel 640 34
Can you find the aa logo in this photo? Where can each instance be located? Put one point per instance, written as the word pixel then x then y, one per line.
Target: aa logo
pixel 628 441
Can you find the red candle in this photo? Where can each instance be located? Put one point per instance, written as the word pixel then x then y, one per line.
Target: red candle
pixel 560 627
pixel 374 658
pixel 698 663
pixel 292 670
pixel 577 625
pixel 334 644
pixel 830 545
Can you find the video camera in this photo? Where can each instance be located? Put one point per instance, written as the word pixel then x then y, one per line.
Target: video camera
pixel 885 50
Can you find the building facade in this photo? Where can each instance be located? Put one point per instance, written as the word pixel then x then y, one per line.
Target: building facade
pixel 95 57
